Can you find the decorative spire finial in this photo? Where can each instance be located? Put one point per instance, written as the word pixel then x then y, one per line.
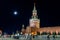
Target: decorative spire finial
pixel 34 7
pixel 34 10
pixel 23 26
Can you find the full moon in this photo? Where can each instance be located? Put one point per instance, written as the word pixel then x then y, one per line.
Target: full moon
pixel 15 13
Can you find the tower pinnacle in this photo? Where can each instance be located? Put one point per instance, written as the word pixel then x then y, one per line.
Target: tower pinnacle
pixel 34 12
pixel 22 26
pixel 34 7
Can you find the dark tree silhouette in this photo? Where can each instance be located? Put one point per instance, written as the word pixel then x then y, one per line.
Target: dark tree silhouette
pixel 58 33
pixel 38 33
pixel 44 33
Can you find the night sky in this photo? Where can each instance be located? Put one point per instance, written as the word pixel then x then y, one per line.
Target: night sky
pixel 48 12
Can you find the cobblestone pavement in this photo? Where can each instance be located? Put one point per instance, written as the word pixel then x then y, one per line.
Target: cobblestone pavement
pixel 41 37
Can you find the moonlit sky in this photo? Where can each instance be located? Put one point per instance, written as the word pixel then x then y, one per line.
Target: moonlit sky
pixel 15 13
pixel 48 12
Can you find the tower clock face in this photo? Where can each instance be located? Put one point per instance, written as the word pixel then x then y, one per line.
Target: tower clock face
pixel 34 23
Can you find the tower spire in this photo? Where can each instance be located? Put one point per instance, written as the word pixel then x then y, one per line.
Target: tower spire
pixel 34 12
pixel 34 7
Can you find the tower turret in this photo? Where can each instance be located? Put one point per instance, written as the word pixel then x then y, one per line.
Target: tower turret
pixel 23 26
pixel 23 30
pixel 34 21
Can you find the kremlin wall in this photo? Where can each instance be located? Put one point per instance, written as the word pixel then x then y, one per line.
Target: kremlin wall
pixel 34 25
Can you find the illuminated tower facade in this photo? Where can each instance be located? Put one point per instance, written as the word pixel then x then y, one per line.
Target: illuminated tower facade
pixel 34 21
